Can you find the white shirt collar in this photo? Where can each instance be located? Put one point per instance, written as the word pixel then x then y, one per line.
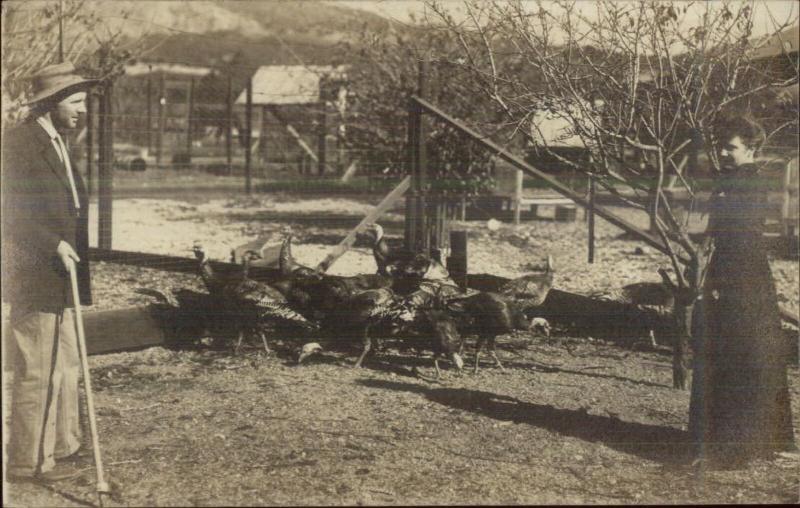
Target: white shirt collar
pixel 48 127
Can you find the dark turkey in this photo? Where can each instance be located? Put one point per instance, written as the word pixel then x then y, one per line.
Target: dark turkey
pixel 436 330
pixel 654 300
pixel 386 258
pixel 529 290
pixel 487 315
pixel 250 306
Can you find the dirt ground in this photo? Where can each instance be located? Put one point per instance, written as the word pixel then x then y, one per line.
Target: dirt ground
pixel 571 420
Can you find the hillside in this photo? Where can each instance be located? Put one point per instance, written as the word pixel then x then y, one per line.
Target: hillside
pixel 271 32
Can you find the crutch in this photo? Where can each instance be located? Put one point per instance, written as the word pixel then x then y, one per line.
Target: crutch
pixel 102 486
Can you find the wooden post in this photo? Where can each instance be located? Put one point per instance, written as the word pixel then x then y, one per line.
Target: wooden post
pixel 263 135
pixel 149 108
pixel 411 161
pixel 105 169
pixel 590 214
pixel 189 120
pixel 162 103
pixel 518 197
pixel 229 125
pixel 248 136
pixel 322 145
pixel 457 261
pixel 422 235
pixel 89 141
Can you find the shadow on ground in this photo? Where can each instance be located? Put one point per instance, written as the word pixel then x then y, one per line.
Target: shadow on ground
pixel 665 445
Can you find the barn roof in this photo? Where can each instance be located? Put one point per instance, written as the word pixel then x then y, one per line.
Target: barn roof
pixel 287 84
pixel 784 42
pixel 143 68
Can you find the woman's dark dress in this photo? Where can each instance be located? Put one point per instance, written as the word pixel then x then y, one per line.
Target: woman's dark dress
pixel 740 399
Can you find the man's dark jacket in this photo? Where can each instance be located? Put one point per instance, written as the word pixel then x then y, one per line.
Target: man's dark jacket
pixel 38 213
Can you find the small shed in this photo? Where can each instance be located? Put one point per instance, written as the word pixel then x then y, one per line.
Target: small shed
pixel 289 84
pixel 302 94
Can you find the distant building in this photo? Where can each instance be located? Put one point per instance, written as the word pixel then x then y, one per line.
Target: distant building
pixel 291 84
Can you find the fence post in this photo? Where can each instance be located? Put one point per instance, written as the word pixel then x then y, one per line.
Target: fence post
pixel 149 109
pixel 229 125
pixel 590 215
pixel 189 121
pixel 248 135
pixel 105 168
pixel 411 195
pixel 321 144
pixel 89 141
pixel 263 136
pixel 162 105
pixel 518 196
pixel 422 231
pixel 457 261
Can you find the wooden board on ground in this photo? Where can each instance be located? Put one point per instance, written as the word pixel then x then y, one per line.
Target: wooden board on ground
pixel 110 331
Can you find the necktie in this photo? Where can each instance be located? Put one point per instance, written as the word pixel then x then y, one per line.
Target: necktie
pixel 68 166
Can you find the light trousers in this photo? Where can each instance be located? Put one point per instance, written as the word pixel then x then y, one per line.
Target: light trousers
pixel 45 425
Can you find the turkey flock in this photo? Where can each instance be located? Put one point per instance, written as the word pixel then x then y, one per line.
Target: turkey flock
pixel 410 298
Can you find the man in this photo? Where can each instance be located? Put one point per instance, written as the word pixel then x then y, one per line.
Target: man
pixel 740 408
pixel 45 229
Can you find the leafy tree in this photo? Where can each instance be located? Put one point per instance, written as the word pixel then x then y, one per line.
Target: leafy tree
pixel 381 79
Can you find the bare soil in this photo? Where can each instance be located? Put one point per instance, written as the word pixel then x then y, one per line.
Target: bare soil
pixel 571 420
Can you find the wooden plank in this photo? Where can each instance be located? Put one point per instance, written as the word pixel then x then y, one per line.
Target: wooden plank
pixel 348 241
pixel 296 135
pixel 349 172
pixel 117 330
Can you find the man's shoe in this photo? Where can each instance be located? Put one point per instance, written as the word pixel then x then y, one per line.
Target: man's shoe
pixel 78 456
pixel 59 473
pixel 20 478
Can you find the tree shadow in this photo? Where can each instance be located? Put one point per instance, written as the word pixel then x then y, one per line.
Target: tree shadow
pixel 549 369
pixel 665 445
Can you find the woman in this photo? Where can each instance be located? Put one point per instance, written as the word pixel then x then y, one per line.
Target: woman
pixel 740 399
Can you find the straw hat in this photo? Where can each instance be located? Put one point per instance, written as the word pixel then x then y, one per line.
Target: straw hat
pixel 54 79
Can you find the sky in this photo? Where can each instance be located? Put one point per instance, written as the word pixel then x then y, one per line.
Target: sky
pixel 400 10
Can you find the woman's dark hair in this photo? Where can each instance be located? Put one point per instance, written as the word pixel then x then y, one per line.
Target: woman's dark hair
pixel 750 131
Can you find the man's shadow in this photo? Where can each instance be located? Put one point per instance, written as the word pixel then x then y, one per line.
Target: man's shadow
pixel 665 445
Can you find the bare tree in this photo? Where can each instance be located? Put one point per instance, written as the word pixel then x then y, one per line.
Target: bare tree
pixel 31 39
pixel 639 85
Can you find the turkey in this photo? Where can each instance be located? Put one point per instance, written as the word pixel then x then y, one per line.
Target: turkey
pixel 347 307
pixel 308 349
pixel 436 330
pixel 249 305
pixel 387 259
pixel 529 290
pixel 287 264
pixel 316 294
pixel 213 280
pixel 487 315
pixel 655 300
